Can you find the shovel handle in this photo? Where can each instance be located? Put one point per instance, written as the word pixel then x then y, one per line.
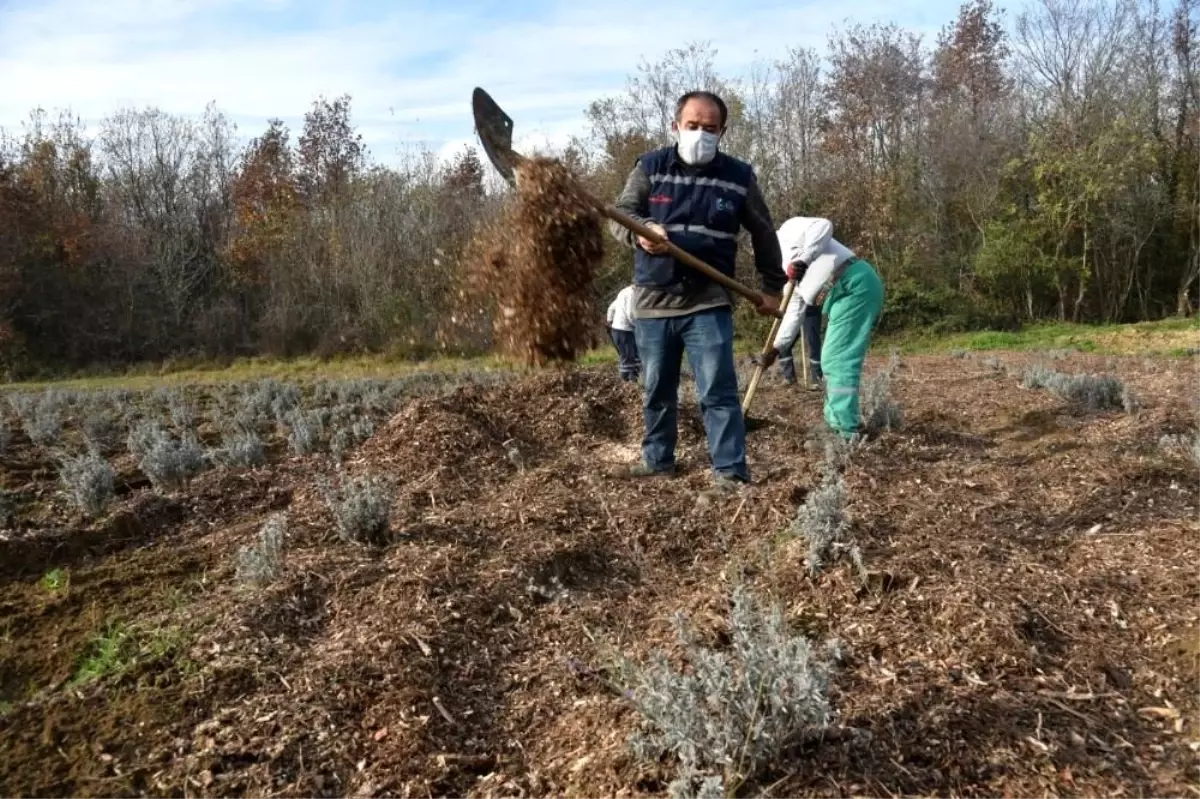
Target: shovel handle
pixel 758 370
pixel 637 227
pixel 628 222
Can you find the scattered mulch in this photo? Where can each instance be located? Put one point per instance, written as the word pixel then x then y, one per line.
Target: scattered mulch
pixel 1028 625
pixel 537 261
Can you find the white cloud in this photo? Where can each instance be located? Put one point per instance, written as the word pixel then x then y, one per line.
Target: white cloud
pixel 409 70
pixel 452 147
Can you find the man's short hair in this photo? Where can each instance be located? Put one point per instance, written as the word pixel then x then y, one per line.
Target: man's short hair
pixel 702 95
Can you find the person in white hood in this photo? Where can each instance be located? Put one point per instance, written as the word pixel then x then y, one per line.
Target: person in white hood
pixel 621 333
pixel 850 292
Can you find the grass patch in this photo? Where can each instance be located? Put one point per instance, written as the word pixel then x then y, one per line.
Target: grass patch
pixel 119 648
pixel 1176 336
pixel 55 580
pixel 598 356
pixel 149 376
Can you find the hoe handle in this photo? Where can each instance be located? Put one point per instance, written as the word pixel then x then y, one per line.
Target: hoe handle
pixel 758 370
pixel 805 355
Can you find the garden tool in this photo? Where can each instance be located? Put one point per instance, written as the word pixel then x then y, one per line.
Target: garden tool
pixel 767 347
pixel 495 133
pixel 804 357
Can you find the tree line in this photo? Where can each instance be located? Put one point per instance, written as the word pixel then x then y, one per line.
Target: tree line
pixel 1045 166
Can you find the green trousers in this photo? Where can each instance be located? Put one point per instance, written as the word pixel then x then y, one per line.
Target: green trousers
pixel 853 308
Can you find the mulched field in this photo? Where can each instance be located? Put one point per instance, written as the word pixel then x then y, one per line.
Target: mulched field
pixel 1028 623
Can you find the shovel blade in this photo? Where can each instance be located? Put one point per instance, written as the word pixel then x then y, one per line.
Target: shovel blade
pixel 494 128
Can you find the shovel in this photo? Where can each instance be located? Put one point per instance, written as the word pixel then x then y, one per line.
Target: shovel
pixel 495 133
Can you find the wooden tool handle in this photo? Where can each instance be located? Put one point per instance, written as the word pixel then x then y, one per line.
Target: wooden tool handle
pixel 637 227
pixel 629 223
pixel 758 370
pixel 804 353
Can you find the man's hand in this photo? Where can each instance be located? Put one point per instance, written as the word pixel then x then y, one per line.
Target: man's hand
pixel 795 270
pixel 653 247
pixel 768 305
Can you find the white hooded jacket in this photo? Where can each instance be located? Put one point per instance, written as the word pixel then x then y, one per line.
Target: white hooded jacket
pixel 620 310
pixel 807 239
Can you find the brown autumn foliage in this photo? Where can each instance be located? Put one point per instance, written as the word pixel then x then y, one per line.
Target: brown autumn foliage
pixel 994 178
pixel 265 197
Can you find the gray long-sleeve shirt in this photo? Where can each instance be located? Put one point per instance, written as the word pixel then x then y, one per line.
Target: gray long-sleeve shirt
pixel 755 217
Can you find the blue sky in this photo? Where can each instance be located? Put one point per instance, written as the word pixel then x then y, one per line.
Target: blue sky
pixel 409 66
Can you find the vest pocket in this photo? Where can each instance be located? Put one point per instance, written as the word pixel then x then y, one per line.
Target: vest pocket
pixel 723 212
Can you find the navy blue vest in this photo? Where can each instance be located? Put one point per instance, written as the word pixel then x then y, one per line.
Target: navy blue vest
pixel 700 209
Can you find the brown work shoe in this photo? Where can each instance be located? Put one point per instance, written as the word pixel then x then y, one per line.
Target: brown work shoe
pixel 730 483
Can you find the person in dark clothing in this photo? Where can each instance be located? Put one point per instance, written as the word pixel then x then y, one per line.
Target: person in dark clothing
pixel 700 199
pixel 621 333
pixel 810 323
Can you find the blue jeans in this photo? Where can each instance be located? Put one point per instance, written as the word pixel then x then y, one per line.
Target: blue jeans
pixel 707 338
pixel 628 363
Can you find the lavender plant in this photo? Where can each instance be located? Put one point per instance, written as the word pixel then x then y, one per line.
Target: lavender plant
pixel 169 462
pixel 1089 391
pixel 101 428
pixel 349 430
pixel 87 480
pixel 240 448
pixel 821 519
pixel 731 712
pixel 41 415
pixel 284 400
pixel 878 410
pixel 262 560
pixel 361 508
pixel 1182 445
pixel 304 431
pixel 183 410
pixel 258 399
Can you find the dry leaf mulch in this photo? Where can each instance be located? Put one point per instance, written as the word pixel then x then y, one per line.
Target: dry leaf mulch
pixel 535 263
pixel 1029 624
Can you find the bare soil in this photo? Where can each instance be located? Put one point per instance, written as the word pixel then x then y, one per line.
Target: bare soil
pixel 1030 625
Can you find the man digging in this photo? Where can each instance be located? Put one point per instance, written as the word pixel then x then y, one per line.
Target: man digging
pixel 850 292
pixel 700 198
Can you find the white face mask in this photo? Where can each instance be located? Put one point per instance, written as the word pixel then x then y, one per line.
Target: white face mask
pixel 697 146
